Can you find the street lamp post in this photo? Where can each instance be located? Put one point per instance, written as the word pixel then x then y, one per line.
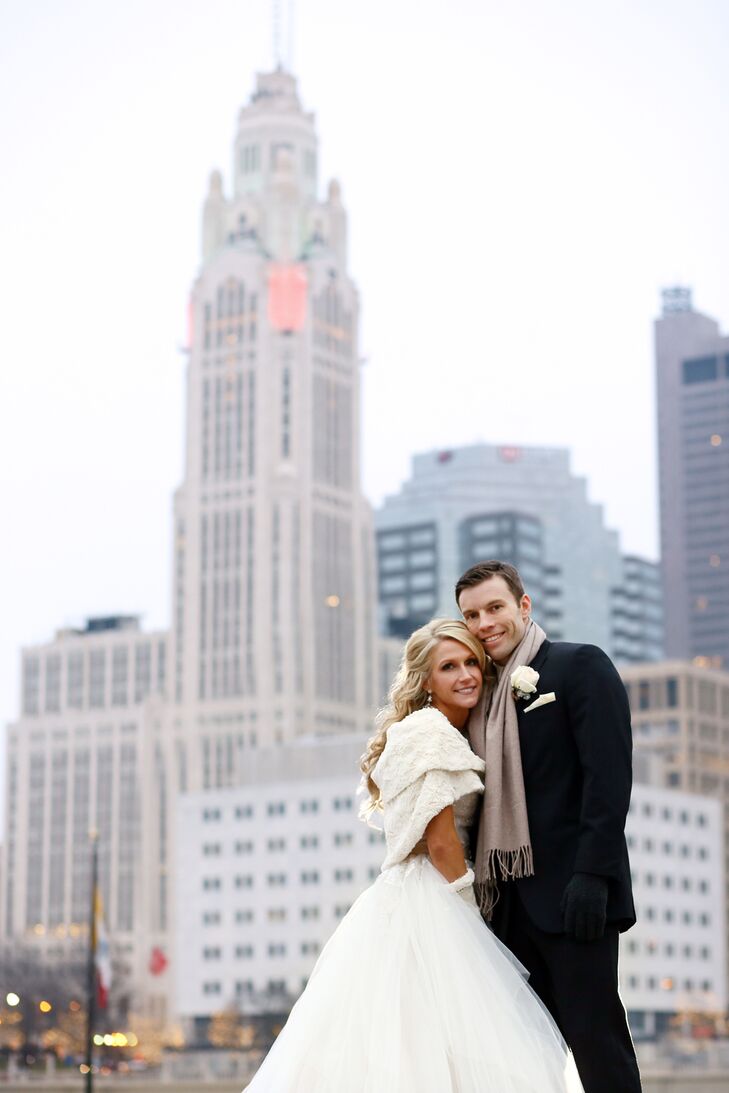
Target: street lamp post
pixel 91 969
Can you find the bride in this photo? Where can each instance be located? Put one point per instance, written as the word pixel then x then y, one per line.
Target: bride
pixel 413 993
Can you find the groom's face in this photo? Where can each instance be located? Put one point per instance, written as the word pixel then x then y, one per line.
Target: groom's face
pixel 495 616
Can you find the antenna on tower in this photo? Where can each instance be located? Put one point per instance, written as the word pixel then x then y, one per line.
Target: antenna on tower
pixel 283 33
pixel 276 13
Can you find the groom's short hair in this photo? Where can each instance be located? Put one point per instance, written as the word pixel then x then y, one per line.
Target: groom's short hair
pixel 483 571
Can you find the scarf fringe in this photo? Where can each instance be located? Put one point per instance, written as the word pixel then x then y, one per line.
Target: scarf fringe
pixel 502 865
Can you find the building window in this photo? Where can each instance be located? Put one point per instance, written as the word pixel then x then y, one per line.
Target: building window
pixel 393 584
pixel 244 881
pixel 309 913
pixel 211 918
pixel 343 875
pixel 243 916
pixel 309 842
pixel 276 948
pixel 276 844
pixel 211 850
pixel 119 676
pixel 392 541
pixel 276 808
pixel 343 838
pixel 672 692
pixel 211 952
pixel 210 815
pixel 75 680
pixel 244 812
pixel 211 884
pixel 244 952
pixel 212 988
pixel 310 877
pixel 276 914
pixel 276 880
pixel 97 677
pixel 309 948
pixel 53 683
pixel 700 370
pixel 244 847
pixel 309 806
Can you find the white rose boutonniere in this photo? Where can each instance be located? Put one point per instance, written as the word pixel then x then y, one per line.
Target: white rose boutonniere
pixel 524 682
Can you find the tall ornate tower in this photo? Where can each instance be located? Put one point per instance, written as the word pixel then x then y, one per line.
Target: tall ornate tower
pixel 273 593
pixel 273 615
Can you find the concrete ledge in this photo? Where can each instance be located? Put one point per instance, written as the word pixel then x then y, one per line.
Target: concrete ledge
pixel 665 1082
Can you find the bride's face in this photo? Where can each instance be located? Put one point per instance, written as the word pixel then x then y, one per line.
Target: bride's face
pixel 455 680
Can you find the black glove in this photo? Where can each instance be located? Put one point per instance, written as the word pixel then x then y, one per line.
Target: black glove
pixel 584 907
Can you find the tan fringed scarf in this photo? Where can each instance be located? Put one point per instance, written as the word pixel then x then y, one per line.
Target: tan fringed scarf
pixel 503 848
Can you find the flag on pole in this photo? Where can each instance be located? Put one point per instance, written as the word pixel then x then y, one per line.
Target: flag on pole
pixel 157 961
pixel 102 953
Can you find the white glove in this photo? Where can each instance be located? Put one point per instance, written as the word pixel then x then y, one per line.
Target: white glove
pixel 464 887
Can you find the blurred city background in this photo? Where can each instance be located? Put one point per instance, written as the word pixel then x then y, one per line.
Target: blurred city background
pixel 306 310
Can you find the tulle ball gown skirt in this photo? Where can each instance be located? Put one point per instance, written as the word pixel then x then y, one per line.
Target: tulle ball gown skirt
pixel 414 994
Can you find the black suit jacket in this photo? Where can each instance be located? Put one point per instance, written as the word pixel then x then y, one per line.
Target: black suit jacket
pixel 576 757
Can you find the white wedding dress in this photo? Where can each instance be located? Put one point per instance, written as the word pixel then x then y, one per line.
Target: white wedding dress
pixel 413 993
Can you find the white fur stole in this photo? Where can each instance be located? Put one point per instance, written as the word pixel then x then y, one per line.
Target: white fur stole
pixel 426 765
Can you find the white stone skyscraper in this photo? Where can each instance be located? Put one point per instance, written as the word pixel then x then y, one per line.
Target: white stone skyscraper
pixel 273 587
pixel 273 620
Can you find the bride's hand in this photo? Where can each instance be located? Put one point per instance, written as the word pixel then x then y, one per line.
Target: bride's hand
pixel 463 886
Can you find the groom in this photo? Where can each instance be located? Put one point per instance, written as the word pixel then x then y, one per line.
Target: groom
pixel 551 857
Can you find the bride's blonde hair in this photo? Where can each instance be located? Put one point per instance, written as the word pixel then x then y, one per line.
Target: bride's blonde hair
pixel 408 692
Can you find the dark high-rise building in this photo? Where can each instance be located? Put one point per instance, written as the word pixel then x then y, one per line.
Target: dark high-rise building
pixel 526 507
pixel 692 383
pixel 637 612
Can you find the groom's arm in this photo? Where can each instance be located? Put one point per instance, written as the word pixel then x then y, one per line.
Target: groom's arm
pixel 599 716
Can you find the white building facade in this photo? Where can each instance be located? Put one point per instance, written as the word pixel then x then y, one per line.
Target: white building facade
pixel 674 960
pixel 265 872
pixel 75 759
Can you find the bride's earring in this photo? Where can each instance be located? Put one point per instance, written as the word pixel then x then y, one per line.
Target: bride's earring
pixel 429 699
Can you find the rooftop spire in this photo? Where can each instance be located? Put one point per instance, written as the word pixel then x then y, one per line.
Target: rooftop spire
pixel 283 34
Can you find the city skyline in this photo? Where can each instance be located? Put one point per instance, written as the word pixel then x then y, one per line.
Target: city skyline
pixel 82 443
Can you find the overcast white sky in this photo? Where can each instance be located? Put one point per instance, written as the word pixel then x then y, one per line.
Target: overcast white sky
pixel 521 178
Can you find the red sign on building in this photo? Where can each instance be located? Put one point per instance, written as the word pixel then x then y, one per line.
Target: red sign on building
pixel 510 455
pixel 287 297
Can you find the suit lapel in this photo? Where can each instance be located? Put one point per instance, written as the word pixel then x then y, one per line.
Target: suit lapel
pixel 537 664
pixel 541 655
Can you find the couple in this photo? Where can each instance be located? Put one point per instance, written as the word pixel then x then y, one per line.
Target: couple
pixel 414 993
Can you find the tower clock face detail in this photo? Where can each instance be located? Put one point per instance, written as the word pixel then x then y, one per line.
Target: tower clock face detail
pixel 287 297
